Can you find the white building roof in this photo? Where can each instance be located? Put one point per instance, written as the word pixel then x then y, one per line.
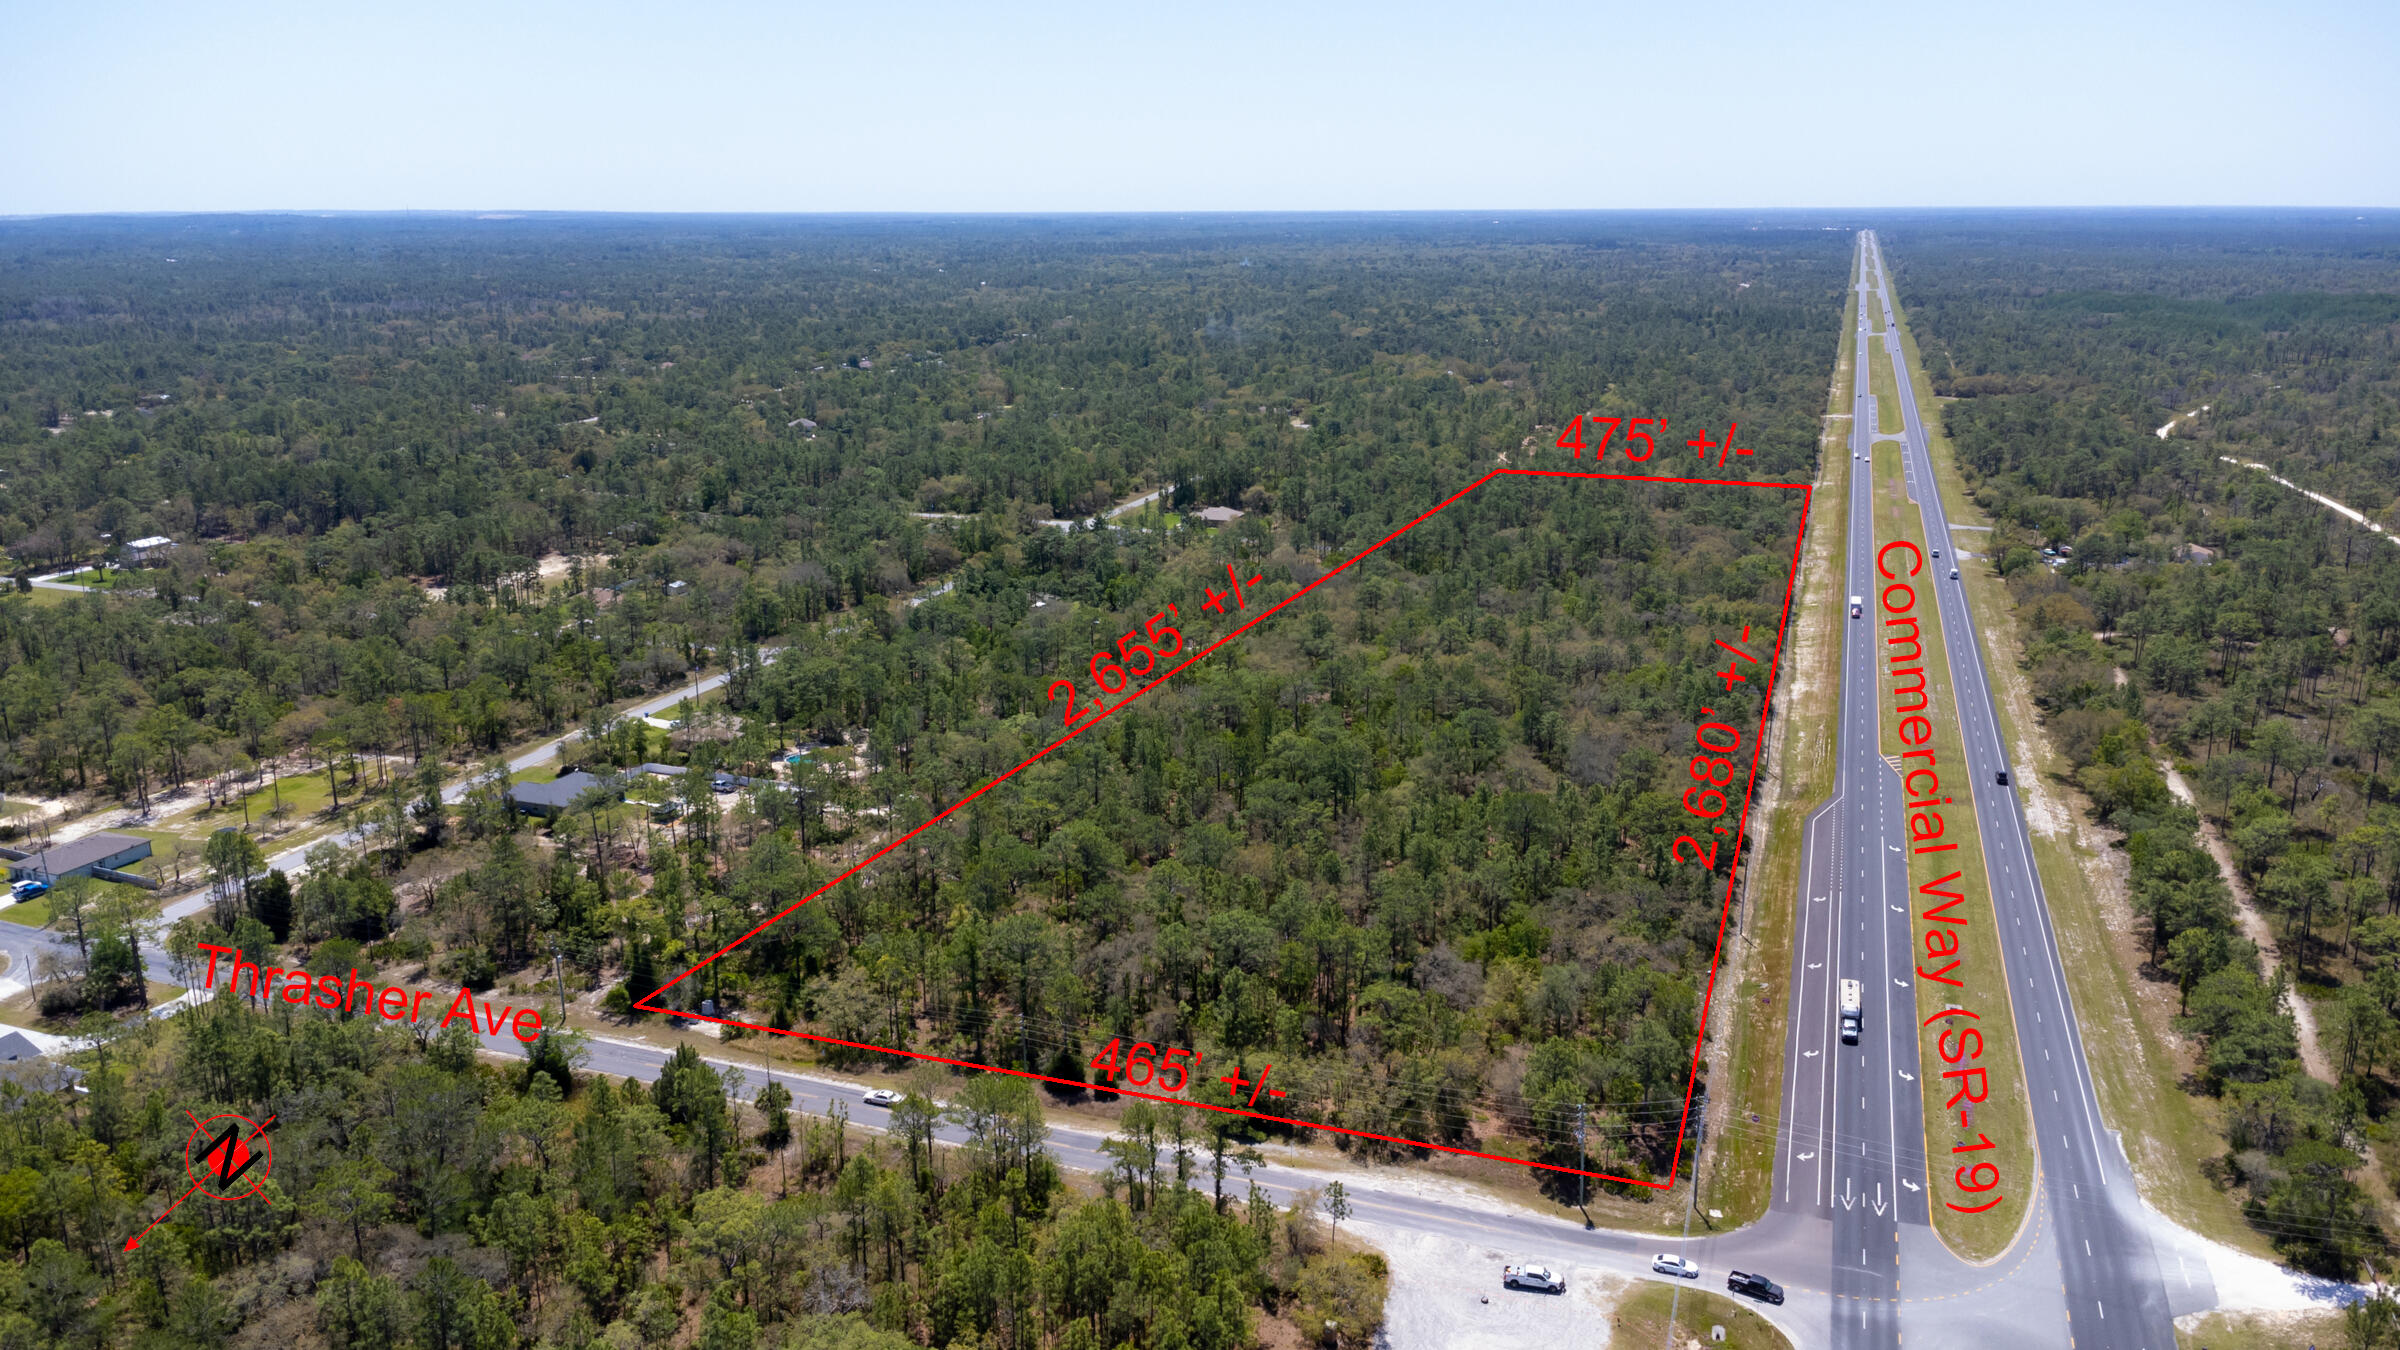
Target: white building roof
pixel 153 541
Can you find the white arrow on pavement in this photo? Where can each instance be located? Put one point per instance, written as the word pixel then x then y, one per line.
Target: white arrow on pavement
pixel 1907 1075
pixel 1901 982
pixel 1808 1054
pixel 1912 1185
pixel 1899 909
pixel 1879 1198
pixel 1816 965
pixel 1806 1156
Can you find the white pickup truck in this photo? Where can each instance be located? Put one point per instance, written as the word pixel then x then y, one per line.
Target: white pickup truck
pixel 1538 1278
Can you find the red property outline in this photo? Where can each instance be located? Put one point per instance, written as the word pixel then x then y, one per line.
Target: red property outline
pixel 1724 914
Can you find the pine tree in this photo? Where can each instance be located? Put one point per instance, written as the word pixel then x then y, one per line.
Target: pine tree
pixel 271 903
pixel 641 975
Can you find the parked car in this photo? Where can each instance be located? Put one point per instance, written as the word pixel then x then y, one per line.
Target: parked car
pixel 1682 1267
pixel 662 812
pixel 721 784
pixel 882 1097
pixel 1540 1279
pixel 28 889
pixel 1752 1285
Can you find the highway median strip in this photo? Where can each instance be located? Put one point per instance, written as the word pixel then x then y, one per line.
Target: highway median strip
pixel 1977 1129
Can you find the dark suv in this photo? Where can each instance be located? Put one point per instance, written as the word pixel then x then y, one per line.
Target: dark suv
pixel 1754 1286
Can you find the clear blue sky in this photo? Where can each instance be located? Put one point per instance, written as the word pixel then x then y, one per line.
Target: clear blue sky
pixel 705 105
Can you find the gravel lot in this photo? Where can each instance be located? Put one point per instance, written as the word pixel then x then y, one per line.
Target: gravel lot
pixel 1446 1295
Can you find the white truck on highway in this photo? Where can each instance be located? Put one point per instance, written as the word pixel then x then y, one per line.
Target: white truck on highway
pixel 1850 1012
pixel 1858 605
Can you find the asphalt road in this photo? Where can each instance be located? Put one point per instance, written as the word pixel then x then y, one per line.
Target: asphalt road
pixel 1850 1212
pixel 1850 1158
pixel 294 861
pixel 2110 1278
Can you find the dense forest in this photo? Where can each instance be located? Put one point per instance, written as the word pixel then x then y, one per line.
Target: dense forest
pixel 420 1198
pixel 442 487
pixel 2108 384
pixel 1426 818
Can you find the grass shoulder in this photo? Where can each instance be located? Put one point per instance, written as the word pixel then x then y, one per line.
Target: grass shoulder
pixel 1738 1169
pixel 1653 1316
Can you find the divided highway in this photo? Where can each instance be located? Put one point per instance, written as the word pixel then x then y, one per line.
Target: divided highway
pixel 2110 1280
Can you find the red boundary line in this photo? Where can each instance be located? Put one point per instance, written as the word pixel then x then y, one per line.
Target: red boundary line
pixel 1724 914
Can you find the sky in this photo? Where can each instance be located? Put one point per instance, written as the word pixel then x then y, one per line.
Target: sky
pixel 715 105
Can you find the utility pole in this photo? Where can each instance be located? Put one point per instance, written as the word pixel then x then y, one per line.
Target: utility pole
pixel 1581 1166
pixel 559 979
pixel 1692 1203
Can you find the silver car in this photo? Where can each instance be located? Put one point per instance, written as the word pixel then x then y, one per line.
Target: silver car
pixel 1680 1267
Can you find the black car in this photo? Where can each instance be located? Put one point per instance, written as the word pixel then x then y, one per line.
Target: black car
pixel 2001 777
pixel 1755 1286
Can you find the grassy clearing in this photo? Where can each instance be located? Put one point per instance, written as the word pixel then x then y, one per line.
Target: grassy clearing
pixel 34 913
pixel 1641 1321
pixel 2136 1061
pixel 1739 1171
pixel 99 579
pixel 2006 1120
pixel 304 796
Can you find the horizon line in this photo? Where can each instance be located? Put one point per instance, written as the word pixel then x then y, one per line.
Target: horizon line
pixel 503 213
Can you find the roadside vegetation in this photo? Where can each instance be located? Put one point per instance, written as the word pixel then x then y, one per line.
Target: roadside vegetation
pixel 451 1201
pixel 1651 1316
pixel 1739 1166
pixel 2256 632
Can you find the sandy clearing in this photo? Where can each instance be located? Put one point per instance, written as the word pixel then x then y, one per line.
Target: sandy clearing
pixel 2247 1283
pixel 2164 431
pixel 1446 1295
pixel 551 566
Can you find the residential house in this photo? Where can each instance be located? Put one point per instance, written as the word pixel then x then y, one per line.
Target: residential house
pixel 80 857
pixel 558 796
pixel 23 1063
